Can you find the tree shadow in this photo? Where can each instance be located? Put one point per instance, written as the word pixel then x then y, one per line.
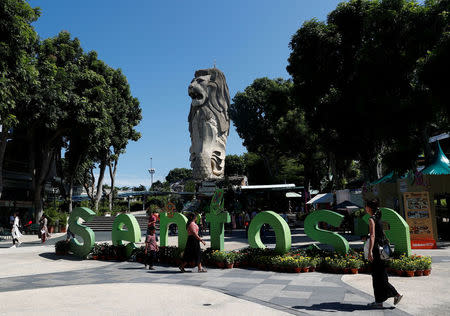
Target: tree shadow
pixel 167 272
pixel 340 307
pixel 54 257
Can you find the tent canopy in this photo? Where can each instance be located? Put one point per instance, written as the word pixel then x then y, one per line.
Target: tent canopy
pixel 321 198
pixel 293 195
pixel 347 205
pixel 441 164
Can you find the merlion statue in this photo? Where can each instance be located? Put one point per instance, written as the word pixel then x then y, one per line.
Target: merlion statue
pixel 209 123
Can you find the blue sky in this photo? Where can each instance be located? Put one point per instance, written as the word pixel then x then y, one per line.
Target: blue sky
pixel 160 44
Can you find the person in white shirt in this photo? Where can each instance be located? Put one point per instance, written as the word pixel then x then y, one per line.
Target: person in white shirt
pixel 15 232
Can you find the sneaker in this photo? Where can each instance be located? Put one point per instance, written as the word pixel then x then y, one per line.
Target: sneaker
pixel 375 305
pixel 397 299
pixel 13 246
pixel 151 268
pixel 18 244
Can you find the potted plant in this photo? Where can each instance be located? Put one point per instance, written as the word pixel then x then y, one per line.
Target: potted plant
pixel 426 265
pixel 63 222
pixel 229 260
pixel 410 267
pixel 354 265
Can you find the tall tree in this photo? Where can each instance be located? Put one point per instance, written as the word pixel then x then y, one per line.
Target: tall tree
pixel 178 174
pixel 255 113
pixel 355 78
pixel 126 115
pixel 18 42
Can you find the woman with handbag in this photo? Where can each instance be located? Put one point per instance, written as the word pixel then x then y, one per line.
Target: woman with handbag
pixel 381 287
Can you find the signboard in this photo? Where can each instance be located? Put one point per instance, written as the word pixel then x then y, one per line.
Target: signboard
pixel 418 217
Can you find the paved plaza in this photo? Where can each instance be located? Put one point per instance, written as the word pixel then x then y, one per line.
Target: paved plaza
pixel 36 281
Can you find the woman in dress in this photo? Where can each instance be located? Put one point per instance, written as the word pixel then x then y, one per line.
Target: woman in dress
pixel 43 221
pixel 192 252
pixel 15 232
pixel 381 287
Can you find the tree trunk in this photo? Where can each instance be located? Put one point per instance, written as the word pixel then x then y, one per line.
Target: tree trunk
pixel 70 194
pixel 112 174
pixel 47 156
pixel 98 194
pixel 3 139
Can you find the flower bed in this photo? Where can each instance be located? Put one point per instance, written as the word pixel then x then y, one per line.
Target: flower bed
pixel 296 261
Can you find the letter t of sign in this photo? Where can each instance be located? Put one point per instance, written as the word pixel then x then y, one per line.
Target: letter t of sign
pixel 217 228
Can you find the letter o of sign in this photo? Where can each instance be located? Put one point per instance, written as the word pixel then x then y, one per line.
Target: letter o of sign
pixel 279 226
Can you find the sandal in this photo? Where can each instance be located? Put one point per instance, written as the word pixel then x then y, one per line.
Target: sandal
pixel 203 270
pixel 397 299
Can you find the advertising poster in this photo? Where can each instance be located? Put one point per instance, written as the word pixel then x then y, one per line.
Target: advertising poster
pixel 418 217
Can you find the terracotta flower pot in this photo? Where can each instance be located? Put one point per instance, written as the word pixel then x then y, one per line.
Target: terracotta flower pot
pixel 399 272
pixel 312 269
pixel 63 229
pixel 410 273
pixel 220 265
pixel 354 270
pixel 418 273
pixel 345 270
pixel 95 257
pixel 229 265
pixel 305 269
pixel 426 272
pixel 297 270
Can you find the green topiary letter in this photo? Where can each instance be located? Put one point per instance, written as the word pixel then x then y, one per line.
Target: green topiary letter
pixel 180 220
pixel 75 226
pixel 398 233
pixel 280 227
pixel 216 228
pixel 132 234
pixel 324 236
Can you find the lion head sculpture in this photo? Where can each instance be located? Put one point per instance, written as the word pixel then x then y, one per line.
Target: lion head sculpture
pixel 209 123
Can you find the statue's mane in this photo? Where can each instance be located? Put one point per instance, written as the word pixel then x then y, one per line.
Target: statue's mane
pixel 219 96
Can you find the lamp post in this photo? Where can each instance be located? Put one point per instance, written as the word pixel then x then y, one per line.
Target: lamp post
pixel 152 172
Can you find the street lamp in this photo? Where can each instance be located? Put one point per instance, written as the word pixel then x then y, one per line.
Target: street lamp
pixel 152 172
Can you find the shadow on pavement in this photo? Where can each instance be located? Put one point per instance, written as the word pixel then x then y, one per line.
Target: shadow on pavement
pixel 54 257
pixel 166 271
pixel 339 307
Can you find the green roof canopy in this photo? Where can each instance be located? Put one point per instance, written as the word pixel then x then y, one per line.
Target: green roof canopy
pixel 441 164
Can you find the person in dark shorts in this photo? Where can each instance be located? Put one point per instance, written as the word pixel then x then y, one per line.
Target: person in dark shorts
pixel 192 252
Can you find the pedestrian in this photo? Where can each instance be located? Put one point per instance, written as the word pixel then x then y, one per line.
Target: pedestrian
pixel 151 249
pixel 15 231
pixel 151 221
pixel 381 287
pixel 43 221
pixel 246 222
pixel 192 252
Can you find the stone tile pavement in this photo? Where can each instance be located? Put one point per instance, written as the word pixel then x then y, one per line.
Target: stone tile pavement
pixel 297 294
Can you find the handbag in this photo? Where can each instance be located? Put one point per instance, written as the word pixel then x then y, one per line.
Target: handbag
pixel 385 251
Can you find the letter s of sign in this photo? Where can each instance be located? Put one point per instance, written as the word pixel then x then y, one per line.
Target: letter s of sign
pixel 398 233
pixel 84 232
pixel 313 231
